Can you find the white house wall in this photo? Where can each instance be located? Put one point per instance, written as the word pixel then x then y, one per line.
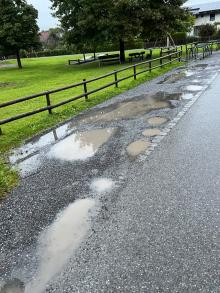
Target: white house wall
pixel 206 20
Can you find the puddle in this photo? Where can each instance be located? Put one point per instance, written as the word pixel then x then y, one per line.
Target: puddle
pixel 151 132
pixel 81 145
pixel 194 88
pixel 136 107
pixel 173 78
pixel 13 286
pixel 187 96
pixel 38 143
pixel 157 120
pixel 138 147
pixel 102 185
pixel 59 241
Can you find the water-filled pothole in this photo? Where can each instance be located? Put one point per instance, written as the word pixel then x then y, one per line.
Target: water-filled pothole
pixel 151 132
pixel 81 145
pixel 136 107
pixel 137 147
pixel 157 120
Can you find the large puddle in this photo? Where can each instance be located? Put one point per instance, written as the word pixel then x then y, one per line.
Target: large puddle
pixel 81 145
pixel 59 241
pixel 136 107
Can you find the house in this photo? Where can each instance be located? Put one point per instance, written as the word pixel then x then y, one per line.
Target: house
pixel 207 13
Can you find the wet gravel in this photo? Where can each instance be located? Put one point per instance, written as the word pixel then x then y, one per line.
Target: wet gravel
pixel 152 234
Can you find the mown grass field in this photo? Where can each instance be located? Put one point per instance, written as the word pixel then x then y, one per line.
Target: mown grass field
pixel 40 74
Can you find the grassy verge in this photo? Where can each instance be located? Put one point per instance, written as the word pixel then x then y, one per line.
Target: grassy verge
pixel 40 74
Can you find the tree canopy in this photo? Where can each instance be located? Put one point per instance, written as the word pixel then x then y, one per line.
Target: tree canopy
pixel 18 27
pixel 91 22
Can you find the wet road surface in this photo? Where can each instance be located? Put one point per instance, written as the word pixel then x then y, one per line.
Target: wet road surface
pixel 122 198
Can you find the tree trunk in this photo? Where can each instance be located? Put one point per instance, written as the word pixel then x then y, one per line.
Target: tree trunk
pixel 122 51
pixel 18 59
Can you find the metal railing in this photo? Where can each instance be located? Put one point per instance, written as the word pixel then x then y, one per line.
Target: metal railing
pixel 150 66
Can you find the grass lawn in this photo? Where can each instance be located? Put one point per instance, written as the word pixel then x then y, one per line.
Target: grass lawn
pixel 40 74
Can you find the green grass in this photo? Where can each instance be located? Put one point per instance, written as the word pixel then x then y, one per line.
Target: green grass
pixel 40 74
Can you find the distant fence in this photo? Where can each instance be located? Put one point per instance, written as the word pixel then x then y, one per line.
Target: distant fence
pixel 174 54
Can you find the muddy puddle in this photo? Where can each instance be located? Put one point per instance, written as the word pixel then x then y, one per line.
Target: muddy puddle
pixel 151 132
pixel 137 148
pixel 157 120
pixel 81 145
pixel 133 108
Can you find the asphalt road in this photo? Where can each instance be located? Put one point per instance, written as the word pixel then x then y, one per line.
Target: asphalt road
pixel 145 224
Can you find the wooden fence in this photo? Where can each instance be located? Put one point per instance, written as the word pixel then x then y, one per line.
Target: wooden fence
pixel 152 64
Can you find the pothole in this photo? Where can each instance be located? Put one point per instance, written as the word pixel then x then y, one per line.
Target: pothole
pixel 81 145
pixel 137 147
pixel 157 120
pixel 151 132
pixel 136 107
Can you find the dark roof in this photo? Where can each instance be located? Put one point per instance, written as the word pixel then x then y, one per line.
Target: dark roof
pixel 206 7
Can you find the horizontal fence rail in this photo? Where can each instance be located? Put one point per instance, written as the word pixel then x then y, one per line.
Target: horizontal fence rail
pixel 171 55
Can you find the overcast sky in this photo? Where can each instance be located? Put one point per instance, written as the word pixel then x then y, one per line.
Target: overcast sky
pixel 47 21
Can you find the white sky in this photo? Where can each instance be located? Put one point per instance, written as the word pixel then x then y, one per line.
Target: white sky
pixel 46 20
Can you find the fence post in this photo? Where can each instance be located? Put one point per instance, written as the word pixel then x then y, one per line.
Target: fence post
pixel 135 76
pixel 150 66
pixel 179 55
pixel 85 88
pixel 116 79
pixel 161 62
pixel 1 131
pixel 48 103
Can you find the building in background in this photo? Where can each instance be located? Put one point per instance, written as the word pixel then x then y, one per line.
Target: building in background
pixel 208 13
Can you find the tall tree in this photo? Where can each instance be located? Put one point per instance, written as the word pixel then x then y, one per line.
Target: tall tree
pixel 91 22
pixel 18 27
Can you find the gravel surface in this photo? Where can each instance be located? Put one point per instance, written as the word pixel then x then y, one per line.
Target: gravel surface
pixel 156 227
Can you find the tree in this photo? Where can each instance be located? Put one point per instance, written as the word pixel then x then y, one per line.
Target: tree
pixel 207 30
pixel 91 22
pixel 18 27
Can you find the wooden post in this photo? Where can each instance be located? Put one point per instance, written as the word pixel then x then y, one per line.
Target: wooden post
pixel 150 66
pixel 116 79
pixel 161 62
pixel 1 131
pixel 48 103
pixel 135 76
pixel 85 89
